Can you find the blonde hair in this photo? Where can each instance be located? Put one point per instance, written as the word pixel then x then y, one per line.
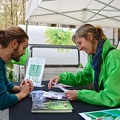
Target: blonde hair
pixel 83 31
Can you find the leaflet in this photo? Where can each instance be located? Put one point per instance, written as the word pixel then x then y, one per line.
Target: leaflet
pixel 58 86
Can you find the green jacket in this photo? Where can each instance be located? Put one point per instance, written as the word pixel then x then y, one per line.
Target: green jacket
pixel 109 79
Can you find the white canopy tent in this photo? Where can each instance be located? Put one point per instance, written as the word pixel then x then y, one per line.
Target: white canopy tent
pixel 105 13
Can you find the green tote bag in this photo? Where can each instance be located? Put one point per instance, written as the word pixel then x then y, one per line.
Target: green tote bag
pixel 23 59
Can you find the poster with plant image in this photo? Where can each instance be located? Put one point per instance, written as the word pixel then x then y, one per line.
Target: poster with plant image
pixel 35 70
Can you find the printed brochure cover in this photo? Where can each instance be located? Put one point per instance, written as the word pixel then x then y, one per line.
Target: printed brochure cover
pixel 54 102
pixel 110 114
pixel 55 95
pixel 52 106
pixel 35 70
pixel 39 95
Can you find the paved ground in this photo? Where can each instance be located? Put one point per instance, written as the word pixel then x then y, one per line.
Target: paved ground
pixel 4 115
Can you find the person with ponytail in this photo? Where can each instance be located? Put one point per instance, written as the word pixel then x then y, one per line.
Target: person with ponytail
pixel 102 69
pixel 13 42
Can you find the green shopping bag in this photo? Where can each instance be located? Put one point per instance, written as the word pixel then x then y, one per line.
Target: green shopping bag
pixel 23 59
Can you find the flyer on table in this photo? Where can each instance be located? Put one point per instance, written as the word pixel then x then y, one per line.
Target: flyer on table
pixel 35 70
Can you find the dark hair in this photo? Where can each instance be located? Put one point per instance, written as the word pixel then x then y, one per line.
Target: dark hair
pixel 11 33
pixel 83 30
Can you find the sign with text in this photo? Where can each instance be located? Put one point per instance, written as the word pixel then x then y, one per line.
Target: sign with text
pixel 35 70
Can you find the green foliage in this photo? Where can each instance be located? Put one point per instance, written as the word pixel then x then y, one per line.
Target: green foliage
pixel 80 66
pixel 10 76
pixel 9 66
pixel 12 12
pixel 59 37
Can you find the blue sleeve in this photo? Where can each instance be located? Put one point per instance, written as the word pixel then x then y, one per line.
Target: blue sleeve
pixel 9 84
pixel 6 99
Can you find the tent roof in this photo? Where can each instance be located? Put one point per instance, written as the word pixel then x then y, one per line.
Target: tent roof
pixel 105 13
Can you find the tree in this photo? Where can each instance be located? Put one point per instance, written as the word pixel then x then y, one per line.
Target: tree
pixel 12 12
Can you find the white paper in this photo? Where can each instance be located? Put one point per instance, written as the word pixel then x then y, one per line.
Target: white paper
pixel 35 70
pixel 55 95
pixel 58 86
pixel 85 116
pixel 63 85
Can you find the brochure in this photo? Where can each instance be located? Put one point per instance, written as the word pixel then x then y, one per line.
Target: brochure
pixel 51 104
pixel 59 86
pixel 62 85
pixel 35 70
pixel 110 114
pixel 37 96
pixel 55 95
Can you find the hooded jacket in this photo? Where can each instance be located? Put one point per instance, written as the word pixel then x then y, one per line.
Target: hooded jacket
pixel 109 79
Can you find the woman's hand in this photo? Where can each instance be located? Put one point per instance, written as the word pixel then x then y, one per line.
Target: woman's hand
pixel 71 94
pixel 55 80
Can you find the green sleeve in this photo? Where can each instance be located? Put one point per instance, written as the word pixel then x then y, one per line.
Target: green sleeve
pixel 80 78
pixel 110 95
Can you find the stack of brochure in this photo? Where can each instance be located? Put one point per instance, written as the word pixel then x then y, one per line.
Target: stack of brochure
pixel 50 102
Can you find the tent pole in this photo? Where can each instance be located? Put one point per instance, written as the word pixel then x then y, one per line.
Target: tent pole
pixel 26 26
pixel 26 29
